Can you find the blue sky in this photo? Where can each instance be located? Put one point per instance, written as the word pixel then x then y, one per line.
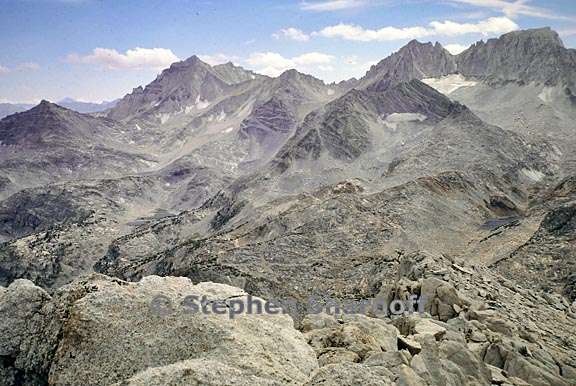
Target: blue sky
pixel 97 50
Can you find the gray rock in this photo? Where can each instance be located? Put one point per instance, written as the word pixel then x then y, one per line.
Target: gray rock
pixel 318 321
pixel 200 372
pixel 29 326
pixel 427 327
pixel 348 374
pixel 335 355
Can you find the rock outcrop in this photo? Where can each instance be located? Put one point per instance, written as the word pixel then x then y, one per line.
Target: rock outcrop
pixel 101 331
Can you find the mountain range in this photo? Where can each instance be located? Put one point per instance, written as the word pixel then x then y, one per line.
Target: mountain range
pixel 450 172
pixel 72 104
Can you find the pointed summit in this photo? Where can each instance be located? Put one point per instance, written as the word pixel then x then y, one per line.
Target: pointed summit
pixel 48 124
pixel 46 107
pixel 193 63
pixel 46 104
pixel 289 74
pixel 177 88
pixel 293 75
pixel 193 59
pixel 413 61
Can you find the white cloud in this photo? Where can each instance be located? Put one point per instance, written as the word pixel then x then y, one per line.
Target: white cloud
pixel 455 49
pixel 136 58
pixel 493 25
pixel 332 5
pixel 273 64
pixel 357 33
pixel 312 58
pixel 218 58
pixel 28 66
pixel 291 33
pixel 513 8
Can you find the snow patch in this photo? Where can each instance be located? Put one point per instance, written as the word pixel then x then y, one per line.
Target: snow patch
pixel 148 163
pixel 449 83
pixel 330 91
pixel 393 120
pixel 228 130
pixel 200 103
pixel 534 175
pixel 164 117
pixel 138 127
pixel 547 95
pixel 221 116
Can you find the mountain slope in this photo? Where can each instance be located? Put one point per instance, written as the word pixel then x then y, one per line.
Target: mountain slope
pixel 48 124
pixel 49 143
pixel 232 74
pixel 346 128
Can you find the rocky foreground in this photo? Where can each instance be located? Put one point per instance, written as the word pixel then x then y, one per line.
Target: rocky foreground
pixel 478 329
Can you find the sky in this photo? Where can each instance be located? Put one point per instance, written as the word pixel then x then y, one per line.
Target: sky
pixel 96 50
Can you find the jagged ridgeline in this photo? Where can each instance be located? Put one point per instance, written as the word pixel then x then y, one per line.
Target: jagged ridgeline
pixel 448 177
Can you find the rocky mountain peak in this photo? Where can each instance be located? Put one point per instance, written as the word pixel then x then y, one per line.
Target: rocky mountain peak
pixel 416 46
pixel 233 74
pixel 193 59
pixel 291 74
pixel 413 61
pixel 536 36
pixel 45 104
pixel 226 65
pixel 48 123
pixel 297 78
pixel 192 64
pixel 534 55
pixel 46 107
pixel 183 84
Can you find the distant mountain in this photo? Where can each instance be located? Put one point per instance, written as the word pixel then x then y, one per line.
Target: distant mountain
pixel 86 107
pixel 48 124
pixel 187 86
pixel 70 103
pixel 11 108
pixel 50 143
pixel 534 55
